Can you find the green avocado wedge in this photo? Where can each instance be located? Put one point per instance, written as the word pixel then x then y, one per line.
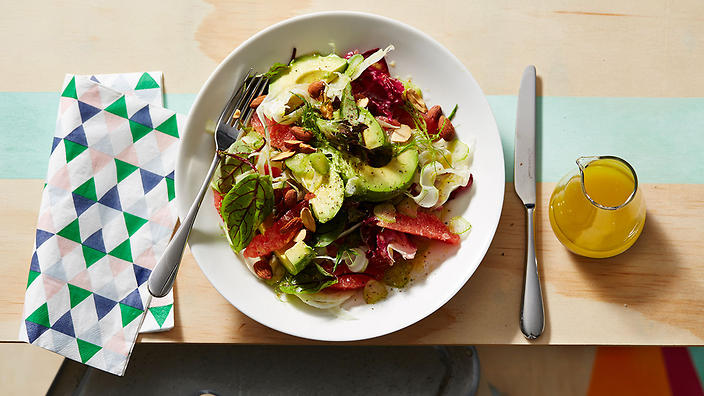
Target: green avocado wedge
pixel 306 69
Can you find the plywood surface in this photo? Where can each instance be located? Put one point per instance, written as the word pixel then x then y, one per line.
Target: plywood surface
pixel 652 294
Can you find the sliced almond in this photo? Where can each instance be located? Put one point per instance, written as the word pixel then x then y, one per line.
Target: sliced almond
pixel 294 142
pixel 416 100
pixel 257 101
pixel 326 110
pixel 363 102
pixel 306 148
pixel 401 134
pixel 308 220
pixel 301 236
pixel 283 155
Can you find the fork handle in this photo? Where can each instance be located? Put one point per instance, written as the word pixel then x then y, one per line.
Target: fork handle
pixel 162 277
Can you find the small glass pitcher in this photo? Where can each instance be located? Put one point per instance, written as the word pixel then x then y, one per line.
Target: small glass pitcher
pixel 598 210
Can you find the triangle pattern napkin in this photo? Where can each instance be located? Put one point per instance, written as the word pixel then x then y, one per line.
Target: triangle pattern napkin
pixel 106 215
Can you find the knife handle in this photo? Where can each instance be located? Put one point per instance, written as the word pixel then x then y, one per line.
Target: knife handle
pixel 532 315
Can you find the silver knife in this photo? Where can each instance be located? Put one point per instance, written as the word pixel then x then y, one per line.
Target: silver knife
pixel 532 318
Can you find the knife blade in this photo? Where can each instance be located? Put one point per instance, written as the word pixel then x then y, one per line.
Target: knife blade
pixel 524 154
pixel 532 319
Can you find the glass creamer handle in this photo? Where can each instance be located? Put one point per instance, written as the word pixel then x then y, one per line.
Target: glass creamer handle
pixel 532 315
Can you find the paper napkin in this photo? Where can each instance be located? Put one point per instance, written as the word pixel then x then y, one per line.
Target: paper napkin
pixel 106 215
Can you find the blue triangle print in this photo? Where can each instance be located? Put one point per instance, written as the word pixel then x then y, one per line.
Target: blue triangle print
pixel 170 175
pixel 141 274
pixel 42 236
pixel 78 135
pixel 111 199
pixel 65 325
pixel 103 305
pixel 55 143
pixel 81 203
pixel 143 117
pixel 34 330
pixel 93 78
pixel 87 111
pixel 133 300
pixel 149 180
pixel 34 266
pixel 96 241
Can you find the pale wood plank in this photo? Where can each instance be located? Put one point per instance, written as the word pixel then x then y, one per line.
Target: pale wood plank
pixel 652 294
pixel 581 48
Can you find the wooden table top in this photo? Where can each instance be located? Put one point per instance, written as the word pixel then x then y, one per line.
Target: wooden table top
pixel 621 61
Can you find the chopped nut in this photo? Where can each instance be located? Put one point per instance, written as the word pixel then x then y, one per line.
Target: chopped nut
pixel 401 134
pixel 263 269
pixel 416 100
pixel 283 155
pixel 236 114
pixel 363 102
pixel 291 225
pixel 326 110
pixel 292 144
pixel 256 101
pixel 301 236
pixel 306 148
pixel 434 113
pixel 302 134
pixel 307 219
pixel 290 198
pixel 445 128
pixel 315 89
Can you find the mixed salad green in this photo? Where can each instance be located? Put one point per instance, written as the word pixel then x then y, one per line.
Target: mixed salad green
pixel 341 171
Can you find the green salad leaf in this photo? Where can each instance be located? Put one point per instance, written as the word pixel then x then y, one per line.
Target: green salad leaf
pixel 311 279
pixel 328 232
pixel 275 71
pixel 245 206
pixel 232 164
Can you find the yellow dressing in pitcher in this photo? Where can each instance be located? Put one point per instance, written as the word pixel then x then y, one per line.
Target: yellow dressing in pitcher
pixel 599 211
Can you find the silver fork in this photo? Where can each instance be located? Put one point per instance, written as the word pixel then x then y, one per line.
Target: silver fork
pixel 235 114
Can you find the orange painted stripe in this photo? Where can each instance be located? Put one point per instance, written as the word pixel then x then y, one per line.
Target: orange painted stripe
pixel 626 371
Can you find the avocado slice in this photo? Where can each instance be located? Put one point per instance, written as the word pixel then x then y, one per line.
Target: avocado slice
pixel 373 136
pixel 308 68
pixel 376 184
pixel 329 189
pixel 297 257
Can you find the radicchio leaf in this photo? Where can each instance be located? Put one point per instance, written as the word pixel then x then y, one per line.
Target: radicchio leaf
pixel 245 206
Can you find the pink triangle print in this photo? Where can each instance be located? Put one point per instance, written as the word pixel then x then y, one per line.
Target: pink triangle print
pixel 66 246
pixel 65 103
pixel 61 179
pixel 113 121
pixel 99 160
pixel 92 96
pixel 146 259
pixel 117 265
pixel 163 217
pixel 164 141
pixel 82 280
pixel 129 155
pixel 118 344
pixel 51 286
pixel 46 221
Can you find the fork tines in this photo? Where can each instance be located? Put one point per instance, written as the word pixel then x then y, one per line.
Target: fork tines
pixel 237 108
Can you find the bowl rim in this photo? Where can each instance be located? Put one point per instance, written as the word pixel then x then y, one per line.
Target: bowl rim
pixel 450 292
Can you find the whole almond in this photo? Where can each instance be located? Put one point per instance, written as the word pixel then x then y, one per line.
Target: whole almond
pixel 291 225
pixel 306 148
pixel 434 113
pixel 263 269
pixel 256 101
pixel 290 198
pixel 315 89
pixel 307 219
pixel 445 128
pixel 302 134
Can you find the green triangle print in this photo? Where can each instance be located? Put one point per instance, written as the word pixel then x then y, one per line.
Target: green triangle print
pixel 169 127
pixel 71 231
pixel 138 130
pixel 161 313
pixel 40 316
pixel 123 251
pixel 87 190
pixel 86 349
pixel 133 223
pixel 118 107
pixel 77 294
pixel 170 188
pixel 124 169
pixel 128 314
pixel 32 276
pixel 73 150
pixel 70 90
pixel 91 256
pixel 146 82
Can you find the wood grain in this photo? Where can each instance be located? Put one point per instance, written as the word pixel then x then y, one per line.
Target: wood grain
pixel 581 48
pixel 652 294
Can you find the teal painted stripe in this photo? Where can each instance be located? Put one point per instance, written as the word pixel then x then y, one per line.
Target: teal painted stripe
pixel 661 137
pixel 697 354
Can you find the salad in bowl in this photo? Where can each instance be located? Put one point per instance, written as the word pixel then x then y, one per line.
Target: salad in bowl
pixel 342 171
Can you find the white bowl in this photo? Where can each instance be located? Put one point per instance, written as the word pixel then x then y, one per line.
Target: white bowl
pixel 444 81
